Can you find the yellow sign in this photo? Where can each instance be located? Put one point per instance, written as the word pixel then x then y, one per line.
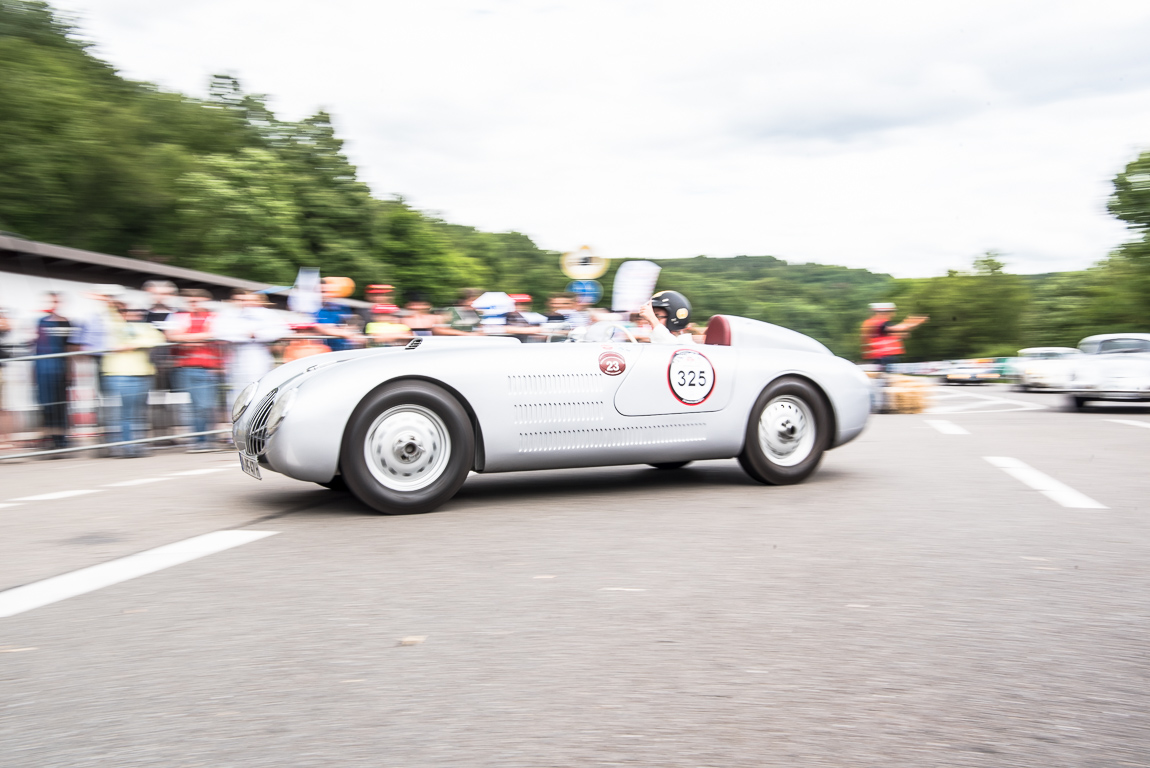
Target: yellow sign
pixel 583 264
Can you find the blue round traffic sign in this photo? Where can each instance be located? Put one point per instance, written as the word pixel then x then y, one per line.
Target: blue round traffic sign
pixel 588 291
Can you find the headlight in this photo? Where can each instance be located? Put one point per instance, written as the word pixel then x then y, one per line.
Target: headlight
pixel 279 410
pixel 243 401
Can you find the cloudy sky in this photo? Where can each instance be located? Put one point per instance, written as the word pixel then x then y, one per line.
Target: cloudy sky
pixel 903 137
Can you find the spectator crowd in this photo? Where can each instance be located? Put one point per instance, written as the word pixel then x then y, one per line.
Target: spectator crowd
pixel 170 366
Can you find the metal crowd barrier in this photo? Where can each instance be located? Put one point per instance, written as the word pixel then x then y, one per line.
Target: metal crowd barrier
pixel 83 388
pixel 99 446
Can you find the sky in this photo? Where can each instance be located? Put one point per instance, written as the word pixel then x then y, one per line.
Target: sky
pixel 903 137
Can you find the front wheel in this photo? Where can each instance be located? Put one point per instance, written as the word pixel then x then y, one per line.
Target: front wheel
pixel 1079 403
pixel 407 448
pixel 788 430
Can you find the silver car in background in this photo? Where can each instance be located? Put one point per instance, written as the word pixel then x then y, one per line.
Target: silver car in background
pixel 1045 367
pixel 1114 367
pixel 402 427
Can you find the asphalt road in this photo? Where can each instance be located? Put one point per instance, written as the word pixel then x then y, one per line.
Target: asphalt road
pixel 913 604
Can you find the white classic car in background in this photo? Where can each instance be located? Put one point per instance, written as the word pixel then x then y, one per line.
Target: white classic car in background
pixel 402 427
pixel 1044 367
pixel 1113 366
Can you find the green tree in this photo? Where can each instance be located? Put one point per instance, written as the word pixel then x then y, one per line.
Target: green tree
pixel 1130 202
pixel 237 215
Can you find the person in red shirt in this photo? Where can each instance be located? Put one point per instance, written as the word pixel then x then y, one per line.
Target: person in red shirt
pixel 882 337
pixel 197 362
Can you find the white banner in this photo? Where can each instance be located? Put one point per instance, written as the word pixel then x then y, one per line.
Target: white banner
pixel 634 285
pixel 306 296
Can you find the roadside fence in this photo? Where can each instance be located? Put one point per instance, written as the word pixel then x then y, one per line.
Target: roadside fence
pixel 56 410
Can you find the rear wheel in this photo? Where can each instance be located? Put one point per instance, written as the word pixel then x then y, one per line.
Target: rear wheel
pixel 408 448
pixel 787 433
pixel 671 465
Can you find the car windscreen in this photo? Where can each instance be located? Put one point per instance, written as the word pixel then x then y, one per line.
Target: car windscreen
pixel 1124 345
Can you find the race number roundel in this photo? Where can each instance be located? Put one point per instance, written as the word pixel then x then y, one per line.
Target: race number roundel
pixel 612 363
pixel 691 376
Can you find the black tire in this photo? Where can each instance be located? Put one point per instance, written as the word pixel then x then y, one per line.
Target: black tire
pixel 1079 403
pixel 454 455
pixel 671 465
pixel 791 393
pixel 337 484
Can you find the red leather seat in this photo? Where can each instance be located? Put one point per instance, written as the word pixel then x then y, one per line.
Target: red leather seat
pixel 718 332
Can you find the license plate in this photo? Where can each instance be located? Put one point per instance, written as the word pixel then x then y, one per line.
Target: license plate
pixel 250 465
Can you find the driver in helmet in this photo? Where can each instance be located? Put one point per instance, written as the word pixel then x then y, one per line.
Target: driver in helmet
pixel 669 313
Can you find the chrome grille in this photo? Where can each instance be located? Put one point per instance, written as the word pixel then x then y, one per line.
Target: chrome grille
pixel 257 427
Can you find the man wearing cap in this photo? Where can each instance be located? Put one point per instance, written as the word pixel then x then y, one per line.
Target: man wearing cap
pixel 882 337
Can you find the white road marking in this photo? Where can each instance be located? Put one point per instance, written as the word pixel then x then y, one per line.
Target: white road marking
pixel 5 506
pixel 1131 422
pixel 53 496
pixel 543 577
pixel 984 400
pixel 141 481
pixel 40 593
pixel 190 472
pixel 1044 484
pixel 947 427
pixel 947 394
pixel 620 589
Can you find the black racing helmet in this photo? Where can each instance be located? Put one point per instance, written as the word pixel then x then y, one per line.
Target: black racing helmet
pixel 677 306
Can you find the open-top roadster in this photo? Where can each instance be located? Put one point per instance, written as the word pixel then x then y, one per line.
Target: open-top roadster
pixel 403 426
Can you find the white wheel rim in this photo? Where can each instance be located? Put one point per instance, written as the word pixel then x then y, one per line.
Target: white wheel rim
pixel 787 431
pixel 407 448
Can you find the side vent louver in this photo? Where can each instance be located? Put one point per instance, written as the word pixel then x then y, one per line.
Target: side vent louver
pixel 414 343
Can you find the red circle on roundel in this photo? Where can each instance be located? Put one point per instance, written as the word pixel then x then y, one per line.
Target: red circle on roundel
pixel 612 363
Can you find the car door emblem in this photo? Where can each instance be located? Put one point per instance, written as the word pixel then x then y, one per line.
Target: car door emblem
pixel 612 363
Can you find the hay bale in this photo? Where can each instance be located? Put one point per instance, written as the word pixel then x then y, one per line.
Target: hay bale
pixel 907 394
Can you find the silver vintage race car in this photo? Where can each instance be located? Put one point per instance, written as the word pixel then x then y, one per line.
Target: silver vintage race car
pixel 402 427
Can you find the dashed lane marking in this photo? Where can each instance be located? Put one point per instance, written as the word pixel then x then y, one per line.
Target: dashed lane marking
pixel 141 481
pixel 41 593
pixel 54 495
pixel 1131 422
pixel 1044 484
pixel 947 427
pixel 987 404
pixel 5 506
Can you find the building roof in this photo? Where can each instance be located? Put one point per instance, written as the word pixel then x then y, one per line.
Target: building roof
pixel 31 257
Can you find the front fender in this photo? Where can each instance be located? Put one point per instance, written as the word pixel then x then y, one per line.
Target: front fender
pixel 307 444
